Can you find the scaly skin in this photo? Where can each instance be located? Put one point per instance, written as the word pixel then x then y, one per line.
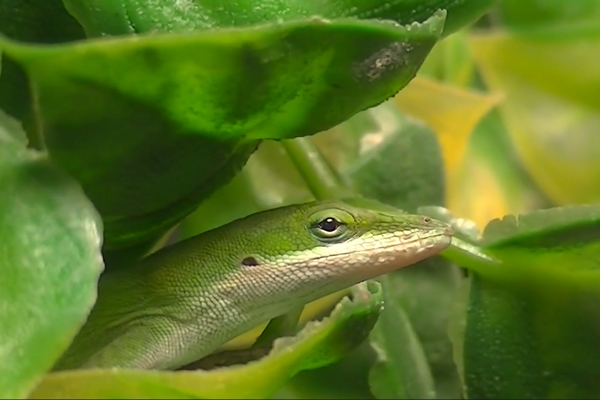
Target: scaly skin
pixel 184 301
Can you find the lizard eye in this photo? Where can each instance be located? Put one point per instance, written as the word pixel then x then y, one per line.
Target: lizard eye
pixel 329 228
pixel 331 225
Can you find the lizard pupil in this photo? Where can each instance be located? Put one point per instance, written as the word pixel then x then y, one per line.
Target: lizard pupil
pixel 329 224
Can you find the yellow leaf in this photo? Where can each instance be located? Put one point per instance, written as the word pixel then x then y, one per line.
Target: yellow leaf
pixel 452 113
pixel 478 193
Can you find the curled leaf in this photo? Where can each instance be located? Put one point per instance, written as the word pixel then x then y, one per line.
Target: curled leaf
pixel 318 344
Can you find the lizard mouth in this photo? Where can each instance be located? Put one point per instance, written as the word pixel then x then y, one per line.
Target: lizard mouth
pixel 408 246
pixel 328 273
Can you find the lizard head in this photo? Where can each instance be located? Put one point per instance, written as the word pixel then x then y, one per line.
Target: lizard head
pixel 331 245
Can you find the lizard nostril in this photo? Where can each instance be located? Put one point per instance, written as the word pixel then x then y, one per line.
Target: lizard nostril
pixel 427 220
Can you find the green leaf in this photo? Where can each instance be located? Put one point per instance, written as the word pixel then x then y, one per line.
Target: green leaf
pixel 318 344
pixel 49 261
pixel 531 341
pixel 160 122
pixel 555 244
pixel 346 379
pixel 423 293
pixel 541 223
pixel 117 17
pixel 401 370
pixel 499 351
pixel 530 322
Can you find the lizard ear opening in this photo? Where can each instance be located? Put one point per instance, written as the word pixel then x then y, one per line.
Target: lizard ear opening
pixel 250 262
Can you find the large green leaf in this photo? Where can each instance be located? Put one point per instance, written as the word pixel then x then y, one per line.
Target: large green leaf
pixel 554 244
pixel 499 354
pixel 319 343
pixel 116 17
pixel 49 261
pixel 531 322
pixel 163 120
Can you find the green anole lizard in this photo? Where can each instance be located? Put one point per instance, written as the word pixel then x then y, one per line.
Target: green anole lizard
pixel 184 301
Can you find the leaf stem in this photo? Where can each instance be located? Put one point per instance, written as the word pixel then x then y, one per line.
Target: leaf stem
pixel 469 256
pixel 34 129
pixel 320 177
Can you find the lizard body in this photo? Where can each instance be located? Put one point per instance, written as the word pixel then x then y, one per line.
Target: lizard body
pixel 184 301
